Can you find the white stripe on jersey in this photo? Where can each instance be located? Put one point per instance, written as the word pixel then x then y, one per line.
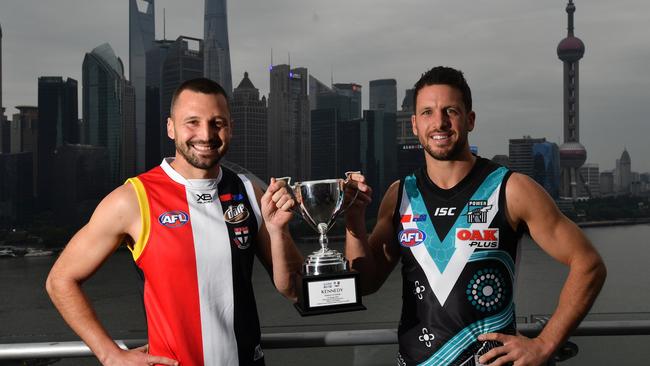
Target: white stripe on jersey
pixel 214 270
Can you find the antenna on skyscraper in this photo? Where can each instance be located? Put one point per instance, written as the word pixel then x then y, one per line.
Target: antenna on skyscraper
pixel 289 55
pixel 331 76
pixel 271 67
pixel 164 26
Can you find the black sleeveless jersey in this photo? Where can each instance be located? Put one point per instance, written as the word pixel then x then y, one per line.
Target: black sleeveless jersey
pixel 458 266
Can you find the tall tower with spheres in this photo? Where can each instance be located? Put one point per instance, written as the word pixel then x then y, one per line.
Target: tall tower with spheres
pixel 572 154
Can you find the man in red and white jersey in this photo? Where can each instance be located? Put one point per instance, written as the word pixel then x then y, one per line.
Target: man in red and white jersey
pixel 193 228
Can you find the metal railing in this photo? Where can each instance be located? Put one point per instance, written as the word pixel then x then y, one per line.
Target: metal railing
pixel 21 351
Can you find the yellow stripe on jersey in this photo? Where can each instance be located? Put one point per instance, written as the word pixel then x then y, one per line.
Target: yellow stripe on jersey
pixel 143 202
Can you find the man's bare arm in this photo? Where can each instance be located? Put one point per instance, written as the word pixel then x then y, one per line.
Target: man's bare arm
pixel 373 257
pixel 277 251
pixel 116 217
pixel 559 237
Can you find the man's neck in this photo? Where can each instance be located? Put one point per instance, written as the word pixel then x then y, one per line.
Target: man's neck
pixel 447 174
pixel 188 171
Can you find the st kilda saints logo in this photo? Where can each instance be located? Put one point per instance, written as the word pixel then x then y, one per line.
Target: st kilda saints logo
pixel 236 214
pixel 242 237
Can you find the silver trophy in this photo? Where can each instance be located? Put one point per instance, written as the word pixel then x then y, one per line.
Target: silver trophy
pixel 326 284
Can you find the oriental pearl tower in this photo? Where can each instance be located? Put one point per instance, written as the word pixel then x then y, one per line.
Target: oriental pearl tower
pixel 572 154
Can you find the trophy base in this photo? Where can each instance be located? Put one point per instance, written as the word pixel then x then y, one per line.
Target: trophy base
pixel 328 293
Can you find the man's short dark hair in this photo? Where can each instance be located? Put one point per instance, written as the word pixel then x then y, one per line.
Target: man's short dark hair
pixel 442 75
pixel 199 85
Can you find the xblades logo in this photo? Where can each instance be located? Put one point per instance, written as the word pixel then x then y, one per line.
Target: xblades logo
pixel 203 198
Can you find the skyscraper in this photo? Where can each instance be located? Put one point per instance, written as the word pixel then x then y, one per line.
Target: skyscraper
pixel 383 95
pixel 289 123
pixel 183 61
pixel 316 88
pixel 217 50
pixel 248 146
pixel 24 129
pixel 572 154
pixel 2 109
pixel 623 173
pixel 57 124
pixel 520 152
pixel 58 108
pixel 154 122
pixel 410 154
pixel 590 174
pixel 546 167
pixel 4 125
pixel 108 110
pixel 142 25
pixel 378 149
pixel 353 91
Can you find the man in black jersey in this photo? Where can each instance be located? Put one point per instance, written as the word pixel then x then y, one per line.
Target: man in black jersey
pixel 455 225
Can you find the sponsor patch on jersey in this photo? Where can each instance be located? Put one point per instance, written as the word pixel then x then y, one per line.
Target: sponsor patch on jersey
pixel 444 211
pixel 258 353
pixel 204 197
pixel 173 219
pixel 477 211
pixel 478 238
pixel 227 197
pixel 236 214
pixel 411 237
pixel 414 218
pixel 242 238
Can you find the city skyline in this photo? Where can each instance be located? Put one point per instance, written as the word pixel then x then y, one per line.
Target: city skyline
pixel 509 59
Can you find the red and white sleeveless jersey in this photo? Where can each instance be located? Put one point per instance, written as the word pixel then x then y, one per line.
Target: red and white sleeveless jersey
pixel 196 250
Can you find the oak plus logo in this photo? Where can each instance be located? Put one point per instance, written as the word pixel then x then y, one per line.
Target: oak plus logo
pixel 478 238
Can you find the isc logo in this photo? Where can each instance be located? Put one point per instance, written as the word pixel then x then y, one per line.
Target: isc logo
pixel 173 218
pixel 411 237
pixel 445 211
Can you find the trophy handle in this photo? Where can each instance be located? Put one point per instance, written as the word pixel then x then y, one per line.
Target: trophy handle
pixel 297 209
pixel 347 179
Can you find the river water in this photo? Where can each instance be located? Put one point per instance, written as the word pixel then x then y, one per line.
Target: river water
pixel 26 314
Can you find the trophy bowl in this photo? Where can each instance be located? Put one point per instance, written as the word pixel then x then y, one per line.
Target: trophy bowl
pixel 326 284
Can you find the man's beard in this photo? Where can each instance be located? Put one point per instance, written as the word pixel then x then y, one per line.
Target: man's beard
pixel 447 155
pixel 200 163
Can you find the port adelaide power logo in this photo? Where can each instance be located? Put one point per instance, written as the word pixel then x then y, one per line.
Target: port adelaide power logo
pixel 477 212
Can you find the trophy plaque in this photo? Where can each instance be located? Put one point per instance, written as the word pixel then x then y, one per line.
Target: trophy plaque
pixel 326 283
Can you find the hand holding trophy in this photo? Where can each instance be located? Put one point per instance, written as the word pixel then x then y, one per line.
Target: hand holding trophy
pixel 326 284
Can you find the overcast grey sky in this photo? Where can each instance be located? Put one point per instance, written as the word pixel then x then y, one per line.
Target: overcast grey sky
pixel 507 49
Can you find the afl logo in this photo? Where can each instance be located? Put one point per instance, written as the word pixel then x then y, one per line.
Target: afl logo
pixel 173 219
pixel 236 214
pixel 411 237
